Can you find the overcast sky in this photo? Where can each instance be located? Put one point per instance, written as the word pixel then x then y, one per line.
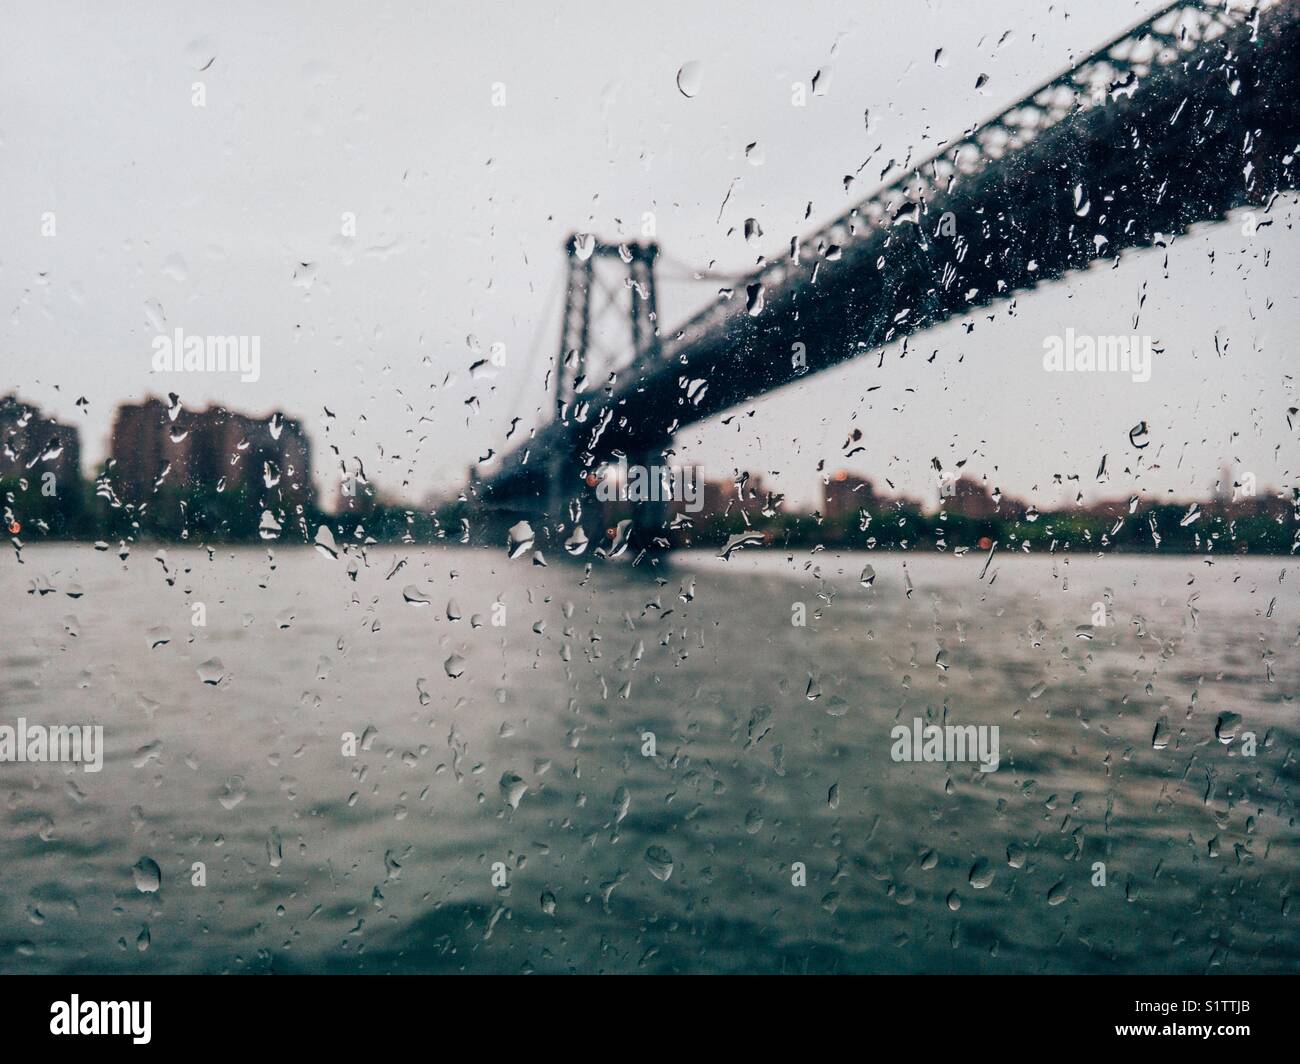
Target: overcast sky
pixel 201 218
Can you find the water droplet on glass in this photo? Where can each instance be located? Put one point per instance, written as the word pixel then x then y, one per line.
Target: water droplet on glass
pixel 513 789
pixel 689 79
pixel 660 862
pixel 981 874
pixel 1225 728
pixel 740 539
pixel 147 875
pixel 414 595
pixel 269 527
pixel 201 52
pixel 577 542
pixel 232 793
pixel 324 542
pixel 521 539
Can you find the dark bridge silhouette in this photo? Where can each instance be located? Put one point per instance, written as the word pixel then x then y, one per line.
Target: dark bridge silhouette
pixel 1181 119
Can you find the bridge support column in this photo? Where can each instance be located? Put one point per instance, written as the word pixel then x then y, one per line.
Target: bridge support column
pixel 650 516
pixel 564 487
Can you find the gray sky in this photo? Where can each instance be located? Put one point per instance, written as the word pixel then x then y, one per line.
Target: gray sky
pixel 385 110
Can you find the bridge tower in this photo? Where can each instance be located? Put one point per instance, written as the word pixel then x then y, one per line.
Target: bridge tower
pixel 608 333
pixel 610 316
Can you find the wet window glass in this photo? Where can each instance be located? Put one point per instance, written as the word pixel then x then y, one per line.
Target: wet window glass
pixel 521 488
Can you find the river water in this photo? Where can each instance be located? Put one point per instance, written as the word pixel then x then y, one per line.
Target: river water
pixel 649 768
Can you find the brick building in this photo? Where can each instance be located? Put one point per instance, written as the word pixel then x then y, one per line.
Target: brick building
pixel 154 446
pixel 32 444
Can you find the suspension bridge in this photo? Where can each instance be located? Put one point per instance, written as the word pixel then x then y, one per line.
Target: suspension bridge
pixel 1180 119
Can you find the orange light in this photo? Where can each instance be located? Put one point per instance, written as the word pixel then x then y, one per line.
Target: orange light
pixel 14 528
pixel 610 532
pixel 592 480
pixel 985 543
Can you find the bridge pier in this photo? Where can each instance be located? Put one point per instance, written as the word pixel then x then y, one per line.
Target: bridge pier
pixel 650 516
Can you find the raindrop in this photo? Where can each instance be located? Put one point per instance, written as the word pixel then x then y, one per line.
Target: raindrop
pixel 212 671
pixel 521 539
pixel 147 875
pixel 513 789
pixel 414 595
pixel 232 793
pixel 660 862
pixel 201 53
pixel 1225 728
pixel 689 79
pixel 577 542
pixel 324 542
pixel 740 539
pixel 836 706
pixel 981 874
pixel 620 536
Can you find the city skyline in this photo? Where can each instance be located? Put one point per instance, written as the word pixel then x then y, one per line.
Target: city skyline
pixel 156 443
